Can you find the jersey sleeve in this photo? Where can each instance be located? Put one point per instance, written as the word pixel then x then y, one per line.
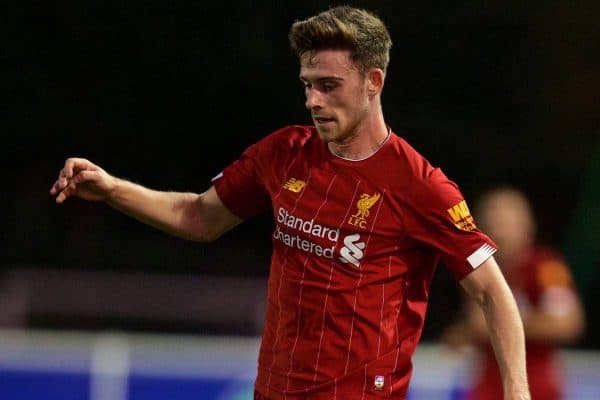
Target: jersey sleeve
pixel 554 285
pixel 241 184
pixel 440 219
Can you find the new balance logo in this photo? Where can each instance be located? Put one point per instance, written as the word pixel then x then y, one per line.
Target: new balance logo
pixel 352 251
pixel 294 185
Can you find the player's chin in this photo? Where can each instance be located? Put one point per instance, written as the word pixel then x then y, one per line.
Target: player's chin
pixel 326 134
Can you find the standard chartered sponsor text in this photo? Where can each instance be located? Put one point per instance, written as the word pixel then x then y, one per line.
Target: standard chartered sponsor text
pixel 310 227
pixel 303 244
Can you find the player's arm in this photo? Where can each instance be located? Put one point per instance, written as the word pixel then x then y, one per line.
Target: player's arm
pixel 487 287
pixel 559 319
pixel 201 217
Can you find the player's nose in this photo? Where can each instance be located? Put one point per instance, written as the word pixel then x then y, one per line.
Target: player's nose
pixel 313 99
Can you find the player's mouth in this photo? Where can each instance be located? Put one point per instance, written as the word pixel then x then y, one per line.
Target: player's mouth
pixel 323 120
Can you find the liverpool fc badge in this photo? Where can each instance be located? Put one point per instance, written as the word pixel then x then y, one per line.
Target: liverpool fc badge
pixel 363 205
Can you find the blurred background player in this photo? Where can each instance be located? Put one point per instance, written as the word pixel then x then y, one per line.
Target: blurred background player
pixel 540 279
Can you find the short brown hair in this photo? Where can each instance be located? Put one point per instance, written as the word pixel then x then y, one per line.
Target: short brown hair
pixel 344 28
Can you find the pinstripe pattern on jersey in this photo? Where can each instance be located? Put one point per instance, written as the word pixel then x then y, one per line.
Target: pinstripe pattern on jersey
pixel 364 384
pixel 373 223
pixel 280 280
pixel 348 210
pixel 325 199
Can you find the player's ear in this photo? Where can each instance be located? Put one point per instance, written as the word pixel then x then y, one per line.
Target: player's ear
pixel 375 78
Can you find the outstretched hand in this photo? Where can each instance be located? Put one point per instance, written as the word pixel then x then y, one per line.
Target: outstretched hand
pixel 81 178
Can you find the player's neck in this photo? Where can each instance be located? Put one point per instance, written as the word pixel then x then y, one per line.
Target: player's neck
pixel 368 138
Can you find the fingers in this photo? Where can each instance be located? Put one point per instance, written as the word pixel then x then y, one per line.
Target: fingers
pixel 73 167
pixel 59 185
pixel 85 176
pixel 62 196
pixel 67 192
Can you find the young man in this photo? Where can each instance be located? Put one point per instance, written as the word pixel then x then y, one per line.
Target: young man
pixel 361 220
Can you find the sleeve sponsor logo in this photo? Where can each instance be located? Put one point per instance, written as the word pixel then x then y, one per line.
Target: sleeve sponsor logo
pixel 363 207
pixel 462 216
pixel 294 185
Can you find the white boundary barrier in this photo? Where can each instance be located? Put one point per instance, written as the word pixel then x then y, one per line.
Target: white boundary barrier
pixel 110 360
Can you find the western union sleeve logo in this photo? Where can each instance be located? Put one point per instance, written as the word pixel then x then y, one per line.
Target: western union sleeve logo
pixel 363 205
pixel 462 216
pixel 294 185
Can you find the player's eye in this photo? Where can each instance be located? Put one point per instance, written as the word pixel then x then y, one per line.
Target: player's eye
pixel 328 86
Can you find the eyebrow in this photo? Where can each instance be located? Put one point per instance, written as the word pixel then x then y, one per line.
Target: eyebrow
pixel 322 79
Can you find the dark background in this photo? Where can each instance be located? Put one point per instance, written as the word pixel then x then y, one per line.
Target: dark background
pixel 169 93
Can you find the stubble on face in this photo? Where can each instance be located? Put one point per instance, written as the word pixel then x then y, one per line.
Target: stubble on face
pixel 338 113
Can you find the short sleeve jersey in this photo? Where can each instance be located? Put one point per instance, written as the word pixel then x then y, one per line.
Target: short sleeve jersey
pixel 355 246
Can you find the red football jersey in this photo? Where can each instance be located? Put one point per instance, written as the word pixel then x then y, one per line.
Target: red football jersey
pixel 355 246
